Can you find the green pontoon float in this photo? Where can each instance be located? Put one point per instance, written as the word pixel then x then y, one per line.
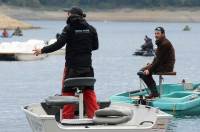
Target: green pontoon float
pixel 182 98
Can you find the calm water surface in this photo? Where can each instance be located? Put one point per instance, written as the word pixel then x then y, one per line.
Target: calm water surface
pixel 22 83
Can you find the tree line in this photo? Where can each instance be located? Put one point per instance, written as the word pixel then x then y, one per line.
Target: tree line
pixel 104 4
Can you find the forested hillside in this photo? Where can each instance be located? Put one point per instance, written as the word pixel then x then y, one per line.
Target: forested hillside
pixel 105 4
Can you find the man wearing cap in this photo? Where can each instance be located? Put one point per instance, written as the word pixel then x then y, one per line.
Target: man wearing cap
pixel 163 62
pixel 80 39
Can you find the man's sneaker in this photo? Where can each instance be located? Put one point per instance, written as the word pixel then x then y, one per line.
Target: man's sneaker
pixel 152 96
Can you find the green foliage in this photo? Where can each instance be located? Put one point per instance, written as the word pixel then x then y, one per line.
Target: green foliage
pixel 23 3
pixel 107 4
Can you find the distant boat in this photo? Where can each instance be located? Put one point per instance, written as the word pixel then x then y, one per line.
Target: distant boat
pixel 144 53
pixel 9 36
pixel 20 57
pixel 21 51
pixel 17 34
pixel 186 28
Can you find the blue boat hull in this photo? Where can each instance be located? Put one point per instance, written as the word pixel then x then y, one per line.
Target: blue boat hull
pixel 174 99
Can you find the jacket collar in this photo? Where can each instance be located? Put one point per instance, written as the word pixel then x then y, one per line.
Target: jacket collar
pixel 75 19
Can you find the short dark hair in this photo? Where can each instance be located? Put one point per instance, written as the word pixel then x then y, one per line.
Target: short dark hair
pixel 160 29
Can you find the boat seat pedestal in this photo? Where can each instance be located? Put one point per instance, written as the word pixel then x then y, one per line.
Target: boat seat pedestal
pixel 78 84
pixel 160 74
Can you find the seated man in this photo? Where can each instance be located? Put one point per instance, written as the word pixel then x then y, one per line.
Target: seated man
pixel 17 32
pixel 4 33
pixel 148 45
pixel 163 62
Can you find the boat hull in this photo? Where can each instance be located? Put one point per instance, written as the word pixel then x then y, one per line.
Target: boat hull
pixel 39 121
pixel 20 57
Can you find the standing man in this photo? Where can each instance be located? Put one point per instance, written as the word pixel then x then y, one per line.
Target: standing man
pixel 80 39
pixel 163 62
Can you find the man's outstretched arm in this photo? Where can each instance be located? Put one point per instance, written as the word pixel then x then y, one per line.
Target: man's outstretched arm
pixel 61 41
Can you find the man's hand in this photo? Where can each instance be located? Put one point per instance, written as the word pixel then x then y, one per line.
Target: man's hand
pixel 37 51
pixel 146 72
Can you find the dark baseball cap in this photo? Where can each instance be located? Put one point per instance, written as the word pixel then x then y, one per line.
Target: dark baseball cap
pixel 160 29
pixel 76 11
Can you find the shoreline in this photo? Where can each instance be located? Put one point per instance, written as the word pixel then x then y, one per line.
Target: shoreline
pixel 121 15
pixel 9 23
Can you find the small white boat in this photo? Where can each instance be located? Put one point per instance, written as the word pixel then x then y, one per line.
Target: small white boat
pixel 21 51
pixel 45 117
pixel 29 56
pixel 20 57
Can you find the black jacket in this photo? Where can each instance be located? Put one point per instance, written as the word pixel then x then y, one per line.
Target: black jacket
pixel 80 39
pixel 165 57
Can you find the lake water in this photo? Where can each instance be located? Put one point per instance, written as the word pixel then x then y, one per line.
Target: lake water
pixel 22 83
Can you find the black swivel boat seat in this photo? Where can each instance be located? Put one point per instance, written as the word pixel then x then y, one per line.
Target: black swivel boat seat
pixel 79 84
